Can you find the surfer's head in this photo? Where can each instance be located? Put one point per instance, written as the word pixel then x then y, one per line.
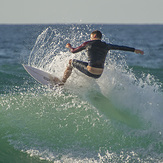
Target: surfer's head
pixel 96 35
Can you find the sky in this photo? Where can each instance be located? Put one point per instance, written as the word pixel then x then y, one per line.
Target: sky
pixel 81 11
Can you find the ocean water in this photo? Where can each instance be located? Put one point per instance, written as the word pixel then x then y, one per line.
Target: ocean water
pixel 117 118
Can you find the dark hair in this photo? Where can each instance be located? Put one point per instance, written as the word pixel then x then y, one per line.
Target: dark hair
pixel 97 33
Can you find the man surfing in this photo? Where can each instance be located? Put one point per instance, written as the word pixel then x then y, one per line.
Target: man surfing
pixel 96 51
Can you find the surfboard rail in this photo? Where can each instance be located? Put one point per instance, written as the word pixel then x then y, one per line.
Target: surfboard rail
pixel 42 77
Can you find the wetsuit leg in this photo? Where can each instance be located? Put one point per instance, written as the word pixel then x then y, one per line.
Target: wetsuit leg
pixel 82 67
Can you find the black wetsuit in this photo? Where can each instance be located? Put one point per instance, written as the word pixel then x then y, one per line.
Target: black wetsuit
pixel 96 51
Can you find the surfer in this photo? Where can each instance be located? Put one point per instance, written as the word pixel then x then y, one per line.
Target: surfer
pixel 96 51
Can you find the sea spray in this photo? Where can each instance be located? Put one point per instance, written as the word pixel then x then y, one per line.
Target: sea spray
pixel 139 96
pixel 87 120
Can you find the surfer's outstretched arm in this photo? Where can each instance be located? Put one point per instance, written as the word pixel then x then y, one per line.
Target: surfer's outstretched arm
pixel 77 49
pixel 124 48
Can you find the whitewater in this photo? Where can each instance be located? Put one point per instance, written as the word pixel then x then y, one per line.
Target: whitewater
pixel 116 118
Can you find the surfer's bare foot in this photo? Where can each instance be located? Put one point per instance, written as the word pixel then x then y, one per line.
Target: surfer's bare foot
pixel 57 81
pixel 60 84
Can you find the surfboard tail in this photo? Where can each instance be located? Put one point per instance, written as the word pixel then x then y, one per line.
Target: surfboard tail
pixel 43 77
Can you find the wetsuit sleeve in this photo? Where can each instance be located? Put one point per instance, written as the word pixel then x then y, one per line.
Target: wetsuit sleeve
pixel 79 48
pixel 117 47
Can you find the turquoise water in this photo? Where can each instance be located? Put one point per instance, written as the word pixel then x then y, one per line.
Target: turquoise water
pixel 117 118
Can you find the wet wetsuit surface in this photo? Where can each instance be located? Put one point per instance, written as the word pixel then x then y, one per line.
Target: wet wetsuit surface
pixel 97 51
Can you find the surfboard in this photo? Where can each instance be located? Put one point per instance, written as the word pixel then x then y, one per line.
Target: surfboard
pixel 43 77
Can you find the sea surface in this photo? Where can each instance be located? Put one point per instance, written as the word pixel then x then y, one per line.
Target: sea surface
pixel 116 118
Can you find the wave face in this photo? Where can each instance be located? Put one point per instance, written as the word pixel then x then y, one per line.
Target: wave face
pixel 117 118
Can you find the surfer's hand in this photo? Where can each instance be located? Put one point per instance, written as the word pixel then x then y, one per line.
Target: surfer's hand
pixel 68 45
pixel 137 51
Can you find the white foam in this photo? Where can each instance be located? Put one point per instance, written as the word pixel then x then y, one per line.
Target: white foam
pixel 140 96
pixel 117 82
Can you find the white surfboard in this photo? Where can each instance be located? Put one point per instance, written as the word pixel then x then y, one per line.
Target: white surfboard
pixel 42 77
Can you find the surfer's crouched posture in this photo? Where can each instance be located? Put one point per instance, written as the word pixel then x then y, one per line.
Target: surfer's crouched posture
pixel 96 51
